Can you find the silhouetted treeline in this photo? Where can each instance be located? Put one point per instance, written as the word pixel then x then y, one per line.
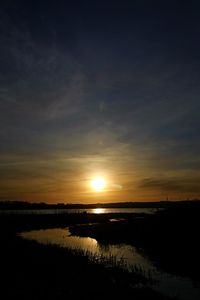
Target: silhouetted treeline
pixel 18 205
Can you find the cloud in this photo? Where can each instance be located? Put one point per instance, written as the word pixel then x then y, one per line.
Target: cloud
pixel 168 185
pixel 74 101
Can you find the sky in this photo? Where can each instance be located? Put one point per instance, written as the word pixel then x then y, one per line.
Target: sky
pixel 99 88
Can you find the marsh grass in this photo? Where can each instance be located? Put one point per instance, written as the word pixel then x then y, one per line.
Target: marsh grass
pixel 30 270
pixel 116 267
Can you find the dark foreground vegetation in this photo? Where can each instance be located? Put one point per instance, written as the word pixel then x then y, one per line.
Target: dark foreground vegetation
pixel 33 271
pixel 170 238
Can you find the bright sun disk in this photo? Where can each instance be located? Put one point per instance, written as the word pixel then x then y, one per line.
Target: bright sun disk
pixel 98 184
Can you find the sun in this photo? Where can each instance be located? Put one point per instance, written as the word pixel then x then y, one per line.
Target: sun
pixel 98 184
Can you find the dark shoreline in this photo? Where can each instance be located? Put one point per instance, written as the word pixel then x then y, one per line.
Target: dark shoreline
pixel 169 238
pixel 23 205
pixel 34 271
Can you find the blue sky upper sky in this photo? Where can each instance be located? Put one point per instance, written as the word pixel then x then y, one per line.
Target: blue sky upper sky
pixel 106 88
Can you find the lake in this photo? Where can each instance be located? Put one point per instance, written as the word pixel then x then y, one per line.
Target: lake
pixel 81 210
pixel 168 284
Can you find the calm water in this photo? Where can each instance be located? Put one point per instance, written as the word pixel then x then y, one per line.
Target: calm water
pixel 81 210
pixel 170 285
pixel 63 238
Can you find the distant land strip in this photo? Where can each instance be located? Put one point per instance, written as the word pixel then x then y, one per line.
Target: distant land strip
pixel 14 205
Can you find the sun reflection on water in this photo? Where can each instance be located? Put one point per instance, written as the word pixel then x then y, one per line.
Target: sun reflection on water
pixel 98 210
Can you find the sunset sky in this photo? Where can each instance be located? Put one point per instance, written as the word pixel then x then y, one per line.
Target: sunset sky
pixel 106 89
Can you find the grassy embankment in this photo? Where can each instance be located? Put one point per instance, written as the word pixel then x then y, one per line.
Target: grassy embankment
pixel 170 238
pixel 33 271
